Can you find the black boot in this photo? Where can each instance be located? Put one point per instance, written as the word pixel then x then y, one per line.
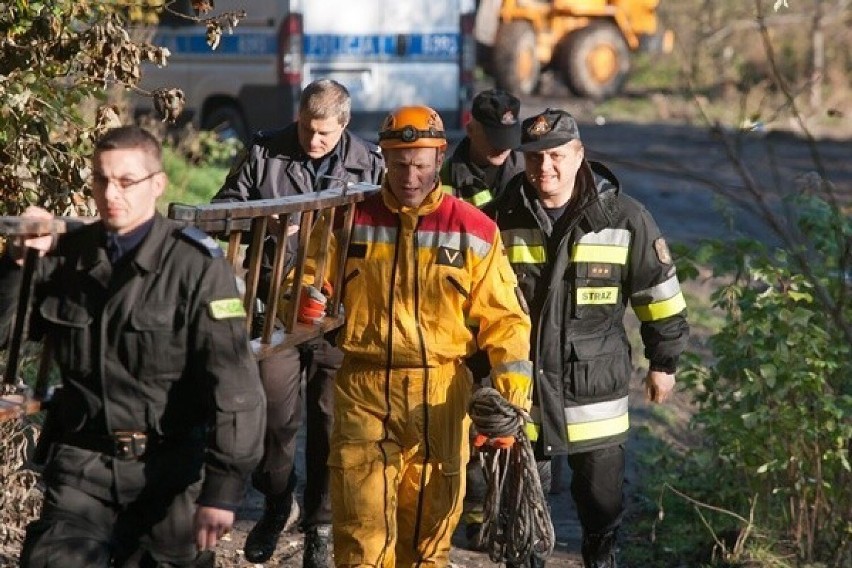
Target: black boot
pixel 533 562
pixel 278 514
pixel 206 559
pixel 598 550
pixel 471 533
pixel 317 553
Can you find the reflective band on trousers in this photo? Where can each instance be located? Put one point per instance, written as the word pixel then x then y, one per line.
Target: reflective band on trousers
pixel 587 422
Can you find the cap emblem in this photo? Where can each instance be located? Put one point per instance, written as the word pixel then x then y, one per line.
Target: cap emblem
pixel 539 127
pixel 508 118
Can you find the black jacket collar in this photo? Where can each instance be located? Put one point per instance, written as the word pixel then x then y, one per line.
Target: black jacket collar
pixel 598 189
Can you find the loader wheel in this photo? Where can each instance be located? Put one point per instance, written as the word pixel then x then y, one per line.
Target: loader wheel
pixel 515 64
pixel 595 60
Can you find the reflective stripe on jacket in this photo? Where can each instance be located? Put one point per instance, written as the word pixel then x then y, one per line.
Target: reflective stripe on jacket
pixel 577 277
pixel 414 277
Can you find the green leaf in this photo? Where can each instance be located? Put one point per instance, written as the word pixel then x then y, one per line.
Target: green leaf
pixel 769 373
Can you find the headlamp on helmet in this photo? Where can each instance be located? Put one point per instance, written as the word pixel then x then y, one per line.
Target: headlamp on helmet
pixel 412 127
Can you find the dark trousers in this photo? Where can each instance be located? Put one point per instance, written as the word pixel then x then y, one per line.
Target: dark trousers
pixel 281 375
pixel 78 530
pixel 596 486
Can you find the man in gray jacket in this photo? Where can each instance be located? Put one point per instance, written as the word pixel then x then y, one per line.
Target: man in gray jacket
pixel 316 152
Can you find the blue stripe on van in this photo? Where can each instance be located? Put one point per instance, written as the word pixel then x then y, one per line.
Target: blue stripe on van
pixel 431 46
pixel 321 46
pixel 236 44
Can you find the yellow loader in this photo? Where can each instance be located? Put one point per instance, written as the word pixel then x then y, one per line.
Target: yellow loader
pixel 587 42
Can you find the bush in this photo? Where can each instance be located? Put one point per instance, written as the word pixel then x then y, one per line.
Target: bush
pixel 54 56
pixel 189 184
pixel 774 405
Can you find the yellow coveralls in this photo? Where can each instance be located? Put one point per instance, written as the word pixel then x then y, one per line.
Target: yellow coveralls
pixel 413 278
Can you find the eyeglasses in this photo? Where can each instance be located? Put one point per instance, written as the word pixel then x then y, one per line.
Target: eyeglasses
pixel 124 184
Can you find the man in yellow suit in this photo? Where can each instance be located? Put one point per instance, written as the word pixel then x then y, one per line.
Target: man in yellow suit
pixel 420 266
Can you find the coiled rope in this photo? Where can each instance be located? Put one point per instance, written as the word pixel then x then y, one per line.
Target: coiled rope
pixel 516 521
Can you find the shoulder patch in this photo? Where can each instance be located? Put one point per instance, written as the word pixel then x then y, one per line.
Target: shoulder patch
pixel 227 308
pixel 662 249
pixel 450 257
pixel 357 250
pixel 203 241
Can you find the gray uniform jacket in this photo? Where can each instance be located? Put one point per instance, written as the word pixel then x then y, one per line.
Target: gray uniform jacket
pixel 155 344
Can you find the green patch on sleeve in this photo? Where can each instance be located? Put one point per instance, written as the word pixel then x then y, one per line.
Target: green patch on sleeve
pixel 227 308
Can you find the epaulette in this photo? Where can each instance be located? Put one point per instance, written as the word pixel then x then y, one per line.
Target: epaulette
pixel 264 135
pixel 373 147
pixel 203 241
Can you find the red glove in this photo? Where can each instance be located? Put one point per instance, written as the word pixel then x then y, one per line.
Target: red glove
pixel 312 303
pixel 501 442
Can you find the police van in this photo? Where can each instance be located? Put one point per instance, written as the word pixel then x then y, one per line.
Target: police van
pixel 387 54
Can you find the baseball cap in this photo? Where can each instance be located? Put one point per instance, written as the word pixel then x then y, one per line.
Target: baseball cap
pixel 550 129
pixel 497 112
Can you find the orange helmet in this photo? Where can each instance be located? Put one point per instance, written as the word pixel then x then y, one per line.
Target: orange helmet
pixel 412 127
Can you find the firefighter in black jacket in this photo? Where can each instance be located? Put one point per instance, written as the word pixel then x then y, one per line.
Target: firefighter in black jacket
pixel 485 160
pixel 582 249
pixel 480 168
pixel 161 413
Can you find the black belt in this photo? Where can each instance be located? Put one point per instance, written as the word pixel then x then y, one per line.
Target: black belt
pixel 124 445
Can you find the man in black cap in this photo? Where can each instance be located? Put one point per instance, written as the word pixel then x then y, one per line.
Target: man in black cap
pixel 582 249
pixel 484 161
pixel 478 170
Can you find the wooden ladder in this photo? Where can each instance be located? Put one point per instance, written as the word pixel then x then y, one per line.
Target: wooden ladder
pixel 229 222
